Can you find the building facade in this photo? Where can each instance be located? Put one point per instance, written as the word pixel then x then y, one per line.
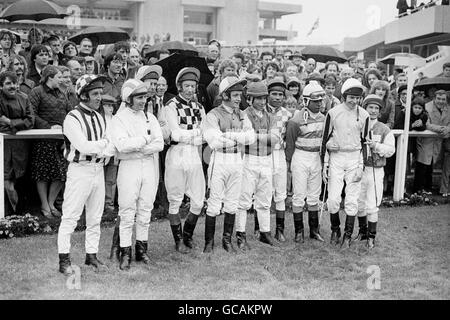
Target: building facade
pixel 237 22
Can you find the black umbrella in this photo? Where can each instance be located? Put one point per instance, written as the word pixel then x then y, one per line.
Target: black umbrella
pixel 101 35
pixel 35 10
pixel 175 62
pixel 440 83
pixel 324 54
pixel 174 47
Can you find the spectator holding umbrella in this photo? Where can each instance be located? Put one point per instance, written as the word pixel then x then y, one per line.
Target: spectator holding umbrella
pixel 15 115
pixel 19 66
pixel 48 166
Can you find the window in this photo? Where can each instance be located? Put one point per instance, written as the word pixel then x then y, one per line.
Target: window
pixel 195 17
pixel 200 38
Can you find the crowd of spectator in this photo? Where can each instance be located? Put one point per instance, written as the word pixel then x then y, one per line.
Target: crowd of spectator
pixel 37 91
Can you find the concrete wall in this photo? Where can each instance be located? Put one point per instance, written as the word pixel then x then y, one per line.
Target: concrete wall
pixel 238 22
pixel 162 17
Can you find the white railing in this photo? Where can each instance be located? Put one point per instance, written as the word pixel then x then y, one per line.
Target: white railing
pixel 399 180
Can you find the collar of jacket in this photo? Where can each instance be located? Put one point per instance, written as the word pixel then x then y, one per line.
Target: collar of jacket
pixel 253 112
pixel 5 97
pixel 271 109
pixel 47 89
pixel 85 109
pixel 183 100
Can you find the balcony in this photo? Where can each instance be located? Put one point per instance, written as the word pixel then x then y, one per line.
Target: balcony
pixel 276 34
pixel 425 22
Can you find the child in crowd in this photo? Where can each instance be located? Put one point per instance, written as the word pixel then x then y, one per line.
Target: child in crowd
pixel 418 122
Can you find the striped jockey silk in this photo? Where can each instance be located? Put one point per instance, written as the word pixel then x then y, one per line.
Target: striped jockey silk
pixel 281 117
pixel 311 129
pixel 93 126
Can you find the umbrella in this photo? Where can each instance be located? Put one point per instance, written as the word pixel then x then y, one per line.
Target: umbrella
pixel 324 54
pixel 440 83
pixel 175 62
pixel 390 59
pixel 101 35
pixel 174 47
pixel 35 10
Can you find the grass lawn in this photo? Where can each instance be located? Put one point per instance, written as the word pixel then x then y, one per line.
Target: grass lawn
pixel 412 253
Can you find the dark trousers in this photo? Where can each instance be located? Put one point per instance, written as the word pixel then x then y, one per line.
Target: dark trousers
pixel 423 177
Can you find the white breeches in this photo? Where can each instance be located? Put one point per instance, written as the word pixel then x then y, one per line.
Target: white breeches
pixel 225 182
pixel 85 186
pixel 137 182
pixel 306 180
pixel 279 179
pixel 184 175
pixel 367 203
pixel 257 186
pixel 344 166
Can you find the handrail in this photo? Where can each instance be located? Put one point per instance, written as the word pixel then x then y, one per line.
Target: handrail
pixel 35 134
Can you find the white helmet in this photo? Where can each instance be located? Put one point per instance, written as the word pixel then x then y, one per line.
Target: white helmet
pixel 313 91
pixel 132 88
pixel 231 81
pixel 352 86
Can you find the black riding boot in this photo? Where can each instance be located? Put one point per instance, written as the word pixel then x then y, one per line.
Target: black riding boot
pixel 256 224
pixel 298 227
pixel 362 234
pixel 279 231
pixel 141 251
pixel 349 225
pixel 188 229
pixel 210 229
pixel 64 264
pixel 177 235
pixel 313 221
pixel 266 237
pixel 335 228
pixel 92 260
pixel 372 234
pixel 228 226
pixel 115 247
pixel 242 241
pixel 125 258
